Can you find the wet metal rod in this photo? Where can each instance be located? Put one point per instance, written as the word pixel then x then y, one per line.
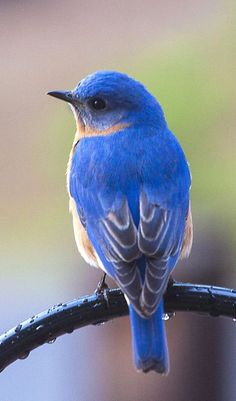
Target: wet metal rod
pixel 60 319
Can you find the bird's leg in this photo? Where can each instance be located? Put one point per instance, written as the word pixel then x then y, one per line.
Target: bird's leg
pixel 102 285
pixel 102 288
pixel 169 315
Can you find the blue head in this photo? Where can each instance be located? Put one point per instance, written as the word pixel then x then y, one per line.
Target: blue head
pixel 108 99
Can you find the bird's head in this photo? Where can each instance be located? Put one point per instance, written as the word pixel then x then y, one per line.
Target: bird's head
pixel 107 101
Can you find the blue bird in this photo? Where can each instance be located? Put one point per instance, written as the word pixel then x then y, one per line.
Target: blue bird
pixel 129 183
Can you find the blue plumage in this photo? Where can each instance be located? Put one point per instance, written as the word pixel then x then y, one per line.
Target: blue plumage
pixel 149 341
pixel 130 182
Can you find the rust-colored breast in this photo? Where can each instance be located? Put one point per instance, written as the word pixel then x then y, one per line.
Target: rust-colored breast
pixel 188 236
pixel 81 237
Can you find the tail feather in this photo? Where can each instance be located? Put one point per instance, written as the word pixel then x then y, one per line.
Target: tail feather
pixel 149 343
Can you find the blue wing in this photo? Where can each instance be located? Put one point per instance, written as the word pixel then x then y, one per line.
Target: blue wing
pixel 133 203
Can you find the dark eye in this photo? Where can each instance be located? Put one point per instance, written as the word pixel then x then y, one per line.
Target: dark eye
pixel 97 103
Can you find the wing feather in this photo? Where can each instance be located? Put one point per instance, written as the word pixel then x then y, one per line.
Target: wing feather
pixel 159 238
pixel 120 247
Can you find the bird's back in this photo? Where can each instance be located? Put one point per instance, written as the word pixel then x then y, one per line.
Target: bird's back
pixel 126 162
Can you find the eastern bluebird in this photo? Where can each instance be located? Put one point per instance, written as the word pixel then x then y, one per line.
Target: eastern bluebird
pixel 128 183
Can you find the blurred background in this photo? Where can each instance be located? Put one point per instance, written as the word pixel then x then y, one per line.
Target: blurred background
pixel 185 53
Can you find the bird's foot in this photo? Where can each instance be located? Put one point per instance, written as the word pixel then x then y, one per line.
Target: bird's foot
pixel 169 315
pixel 171 281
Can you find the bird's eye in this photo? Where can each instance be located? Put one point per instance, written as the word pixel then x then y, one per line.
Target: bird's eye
pixel 97 103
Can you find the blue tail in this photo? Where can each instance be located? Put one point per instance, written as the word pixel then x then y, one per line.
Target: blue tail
pixel 150 350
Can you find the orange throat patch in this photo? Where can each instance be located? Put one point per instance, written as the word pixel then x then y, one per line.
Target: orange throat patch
pixel 86 131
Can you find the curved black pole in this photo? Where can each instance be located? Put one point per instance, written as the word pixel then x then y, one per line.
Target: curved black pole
pixel 18 342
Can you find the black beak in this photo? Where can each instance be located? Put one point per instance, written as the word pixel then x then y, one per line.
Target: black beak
pixel 67 96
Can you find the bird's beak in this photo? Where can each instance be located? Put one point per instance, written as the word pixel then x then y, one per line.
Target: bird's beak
pixel 67 96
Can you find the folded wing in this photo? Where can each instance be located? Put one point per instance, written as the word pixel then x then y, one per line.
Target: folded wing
pixel 160 235
pixel 120 247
